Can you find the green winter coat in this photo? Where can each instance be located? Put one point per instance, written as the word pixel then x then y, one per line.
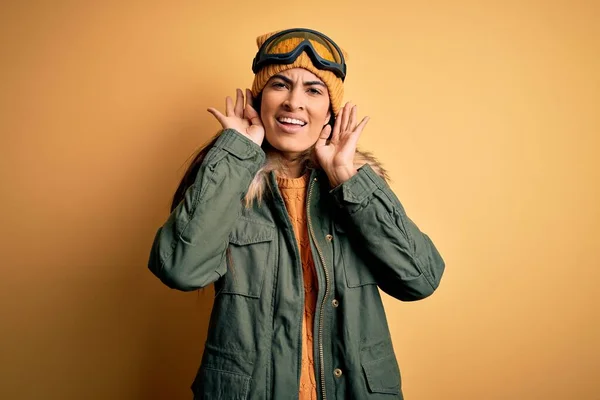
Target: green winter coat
pixel 361 240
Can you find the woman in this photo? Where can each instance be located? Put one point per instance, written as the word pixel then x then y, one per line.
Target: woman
pixel 298 230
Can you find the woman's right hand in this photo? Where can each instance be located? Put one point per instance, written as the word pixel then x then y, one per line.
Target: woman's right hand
pixel 245 120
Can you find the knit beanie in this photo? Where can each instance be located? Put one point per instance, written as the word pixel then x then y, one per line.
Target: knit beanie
pixel 335 86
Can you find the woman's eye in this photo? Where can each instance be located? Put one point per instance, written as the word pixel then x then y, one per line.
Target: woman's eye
pixel 314 91
pixel 278 85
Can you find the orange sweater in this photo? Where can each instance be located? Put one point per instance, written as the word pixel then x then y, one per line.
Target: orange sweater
pixel 293 191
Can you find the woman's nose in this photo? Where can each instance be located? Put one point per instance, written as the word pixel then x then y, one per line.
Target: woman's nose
pixel 295 100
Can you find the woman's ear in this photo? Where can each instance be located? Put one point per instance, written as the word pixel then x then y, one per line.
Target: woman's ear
pixel 330 119
pixel 256 104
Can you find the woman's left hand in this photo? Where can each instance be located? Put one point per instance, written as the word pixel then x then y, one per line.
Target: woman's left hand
pixel 337 157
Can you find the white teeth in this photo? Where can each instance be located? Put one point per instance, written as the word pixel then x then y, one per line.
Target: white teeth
pixel 292 121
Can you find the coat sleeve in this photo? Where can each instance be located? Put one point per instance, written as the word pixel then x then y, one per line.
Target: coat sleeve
pixel 188 251
pixel 403 260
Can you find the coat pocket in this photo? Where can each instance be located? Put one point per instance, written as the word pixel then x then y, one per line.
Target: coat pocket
pixel 383 375
pixel 214 384
pixel 249 254
pixel 381 369
pixel 357 271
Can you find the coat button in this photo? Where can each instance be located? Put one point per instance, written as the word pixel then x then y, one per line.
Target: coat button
pixel 337 372
pixel 335 303
pixel 329 238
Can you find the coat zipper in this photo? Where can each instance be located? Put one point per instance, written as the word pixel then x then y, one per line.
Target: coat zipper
pixel 321 357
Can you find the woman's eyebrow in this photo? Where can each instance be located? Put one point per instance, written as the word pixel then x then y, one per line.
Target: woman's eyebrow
pixel 283 78
pixel 289 81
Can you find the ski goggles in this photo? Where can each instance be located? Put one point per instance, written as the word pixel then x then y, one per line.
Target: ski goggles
pixel 326 55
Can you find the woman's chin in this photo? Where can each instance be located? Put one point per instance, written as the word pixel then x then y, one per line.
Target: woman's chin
pixel 289 145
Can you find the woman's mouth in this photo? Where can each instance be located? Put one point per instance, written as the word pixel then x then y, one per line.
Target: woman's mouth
pixel 290 125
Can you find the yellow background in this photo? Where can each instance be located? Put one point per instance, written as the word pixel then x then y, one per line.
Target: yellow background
pixel 486 113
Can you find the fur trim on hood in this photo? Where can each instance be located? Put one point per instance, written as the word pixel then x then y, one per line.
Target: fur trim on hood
pixel 261 181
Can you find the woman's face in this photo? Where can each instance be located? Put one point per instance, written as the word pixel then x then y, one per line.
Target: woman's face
pixel 294 109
